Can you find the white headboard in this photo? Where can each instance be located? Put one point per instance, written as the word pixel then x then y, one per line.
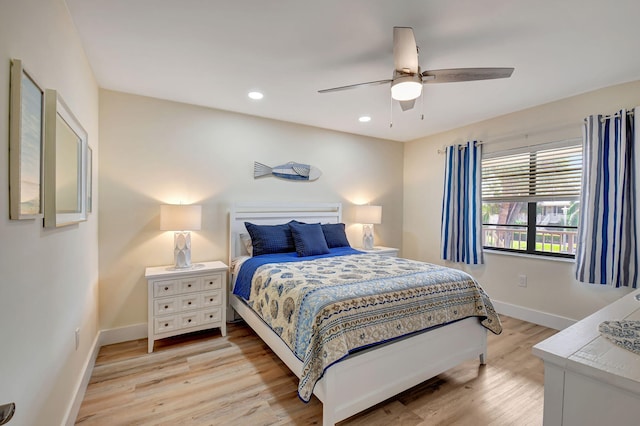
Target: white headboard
pixel 274 214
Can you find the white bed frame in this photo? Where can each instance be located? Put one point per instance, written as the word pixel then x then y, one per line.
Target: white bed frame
pixel 371 376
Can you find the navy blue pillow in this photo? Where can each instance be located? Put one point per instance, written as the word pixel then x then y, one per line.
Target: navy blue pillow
pixel 334 235
pixel 308 239
pixel 268 239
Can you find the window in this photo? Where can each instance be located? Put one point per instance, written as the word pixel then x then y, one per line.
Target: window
pixel 530 199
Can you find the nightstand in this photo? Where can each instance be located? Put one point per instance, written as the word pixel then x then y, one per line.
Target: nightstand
pixel 384 251
pixel 185 300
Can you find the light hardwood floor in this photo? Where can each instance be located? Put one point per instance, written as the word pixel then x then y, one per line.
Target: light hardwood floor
pixel 207 379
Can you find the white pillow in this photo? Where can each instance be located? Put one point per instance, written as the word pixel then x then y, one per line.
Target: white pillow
pixel 246 241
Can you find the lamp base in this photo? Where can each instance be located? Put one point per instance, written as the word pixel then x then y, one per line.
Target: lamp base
pixel 182 249
pixel 367 237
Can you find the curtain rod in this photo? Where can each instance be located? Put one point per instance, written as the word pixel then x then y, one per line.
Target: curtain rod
pixel 461 147
pixel 516 135
pixel 617 114
pixel 538 145
pixel 507 138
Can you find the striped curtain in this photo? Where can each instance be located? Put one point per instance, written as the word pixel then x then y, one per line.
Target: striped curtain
pixel 607 249
pixel 461 239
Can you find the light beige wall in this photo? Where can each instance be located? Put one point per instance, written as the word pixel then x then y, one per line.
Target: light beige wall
pixel 551 284
pixel 48 278
pixel 156 152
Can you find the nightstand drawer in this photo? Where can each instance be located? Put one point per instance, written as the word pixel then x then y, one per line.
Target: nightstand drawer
pixel 212 315
pixel 212 298
pixel 188 285
pixel 165 324
pixel 212 281
pixel 190 302
pixel 189 320
pixel 165 288
pixel 166 306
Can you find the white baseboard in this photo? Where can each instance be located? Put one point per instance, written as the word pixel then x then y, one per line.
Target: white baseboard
pixel 104 337
pixel 81 388
pixel 546 319
pixel 123 334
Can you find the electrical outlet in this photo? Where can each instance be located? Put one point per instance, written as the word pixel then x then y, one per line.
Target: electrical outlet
pixel 77 338
pixel 522 280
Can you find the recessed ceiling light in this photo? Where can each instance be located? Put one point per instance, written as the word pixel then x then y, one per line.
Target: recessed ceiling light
pixel 256 95
pixel 364 119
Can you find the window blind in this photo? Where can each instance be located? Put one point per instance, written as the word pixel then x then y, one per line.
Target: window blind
pixel 544 174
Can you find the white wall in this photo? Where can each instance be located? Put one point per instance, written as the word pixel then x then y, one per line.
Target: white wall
pixel 551 287
pixel 48 278
pixel 156 152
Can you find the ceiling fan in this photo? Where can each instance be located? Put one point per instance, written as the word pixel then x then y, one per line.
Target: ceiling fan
pixel 407 81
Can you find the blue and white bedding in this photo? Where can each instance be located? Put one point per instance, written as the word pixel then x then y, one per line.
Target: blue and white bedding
pixel 328 306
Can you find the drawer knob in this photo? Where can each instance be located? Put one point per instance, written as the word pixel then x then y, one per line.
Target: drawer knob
pixel 210 316
pixel 211 300
pixel 166 288
pixel 166 324
pixel 189 320
pixel 189 303
pixel 166 306
pixel 210 282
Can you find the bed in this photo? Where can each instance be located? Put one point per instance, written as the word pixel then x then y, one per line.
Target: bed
pixel 372 373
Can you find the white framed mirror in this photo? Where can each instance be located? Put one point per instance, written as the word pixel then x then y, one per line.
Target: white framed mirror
pixel 65 164
pixel 26 124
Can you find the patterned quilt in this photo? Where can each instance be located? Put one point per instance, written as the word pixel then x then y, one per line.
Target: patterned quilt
pixel 324 309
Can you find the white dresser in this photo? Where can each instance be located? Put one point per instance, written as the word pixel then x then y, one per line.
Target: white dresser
pixel 186 300
pixel 588 380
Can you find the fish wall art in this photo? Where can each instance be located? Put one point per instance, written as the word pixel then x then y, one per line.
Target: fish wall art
pixel 290 171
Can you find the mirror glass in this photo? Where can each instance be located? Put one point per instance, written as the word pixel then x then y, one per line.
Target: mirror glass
pixel 67 166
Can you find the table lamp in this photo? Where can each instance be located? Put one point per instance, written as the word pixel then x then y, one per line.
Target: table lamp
pixel 181 218
pixel 368 216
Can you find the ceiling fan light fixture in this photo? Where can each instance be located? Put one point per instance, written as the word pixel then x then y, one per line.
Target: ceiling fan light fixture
pixel 406 88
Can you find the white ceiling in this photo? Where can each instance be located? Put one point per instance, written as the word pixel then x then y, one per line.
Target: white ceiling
pixel 211 53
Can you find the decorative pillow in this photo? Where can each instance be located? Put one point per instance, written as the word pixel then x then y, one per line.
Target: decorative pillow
pixel 268 239
pixel 308 239
pixel 246 242
pixel 335 235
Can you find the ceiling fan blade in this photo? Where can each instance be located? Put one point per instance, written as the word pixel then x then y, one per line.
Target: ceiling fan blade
pixel 405 52
pixel 355 86
pixel 407 105
pixel 465 74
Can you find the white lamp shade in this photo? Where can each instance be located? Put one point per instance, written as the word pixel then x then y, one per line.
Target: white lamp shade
pixel 368 214
pixel 180 217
